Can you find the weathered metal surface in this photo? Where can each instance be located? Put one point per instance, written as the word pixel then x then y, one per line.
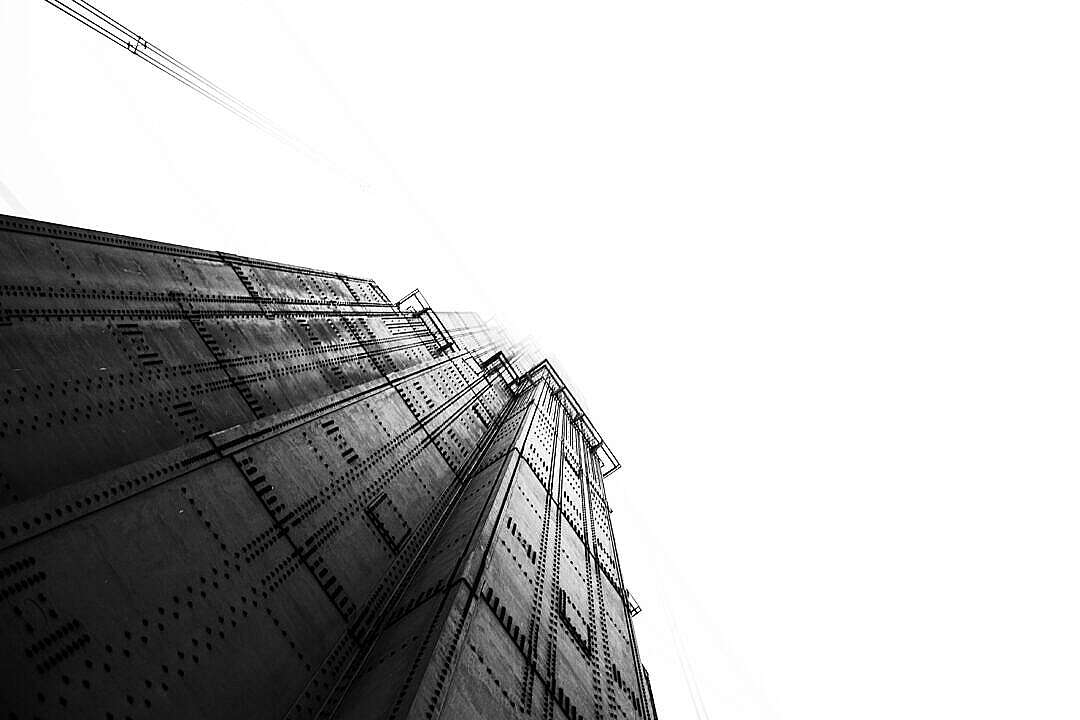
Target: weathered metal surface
pixel 234 488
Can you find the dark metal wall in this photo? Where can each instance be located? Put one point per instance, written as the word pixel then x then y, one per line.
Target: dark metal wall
pixel 233 488
pixel 152 345
pixel 518 607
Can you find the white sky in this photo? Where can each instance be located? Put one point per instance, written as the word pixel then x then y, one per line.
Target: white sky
pixel 812 266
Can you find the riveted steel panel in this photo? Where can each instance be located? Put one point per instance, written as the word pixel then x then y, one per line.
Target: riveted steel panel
pixel 232 487
pixel 136 609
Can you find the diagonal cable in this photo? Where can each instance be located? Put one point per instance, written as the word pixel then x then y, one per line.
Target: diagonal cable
pixel 121 35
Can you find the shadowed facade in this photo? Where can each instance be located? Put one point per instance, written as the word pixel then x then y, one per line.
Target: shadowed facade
pixel 236 488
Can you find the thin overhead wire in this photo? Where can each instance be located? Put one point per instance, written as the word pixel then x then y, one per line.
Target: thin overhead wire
pixel 685 663
pixel 9 197
pixel 666 569
pixel 411 198
pixel 121 35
